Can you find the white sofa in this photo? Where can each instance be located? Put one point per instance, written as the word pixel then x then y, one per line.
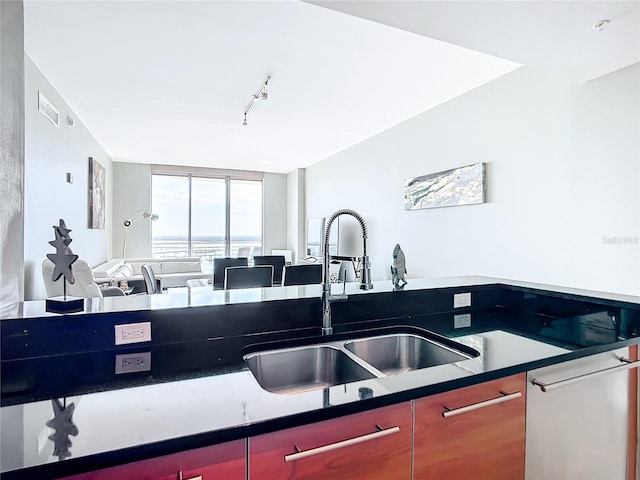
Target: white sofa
pixel 172 272
pixel 84 286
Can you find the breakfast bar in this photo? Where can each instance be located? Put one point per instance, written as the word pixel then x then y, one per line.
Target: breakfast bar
pixel 191 389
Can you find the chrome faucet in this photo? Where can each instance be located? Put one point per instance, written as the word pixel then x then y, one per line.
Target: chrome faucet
pixel 364 268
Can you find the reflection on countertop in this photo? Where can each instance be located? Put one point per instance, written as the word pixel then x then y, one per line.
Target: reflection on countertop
pixel 130 417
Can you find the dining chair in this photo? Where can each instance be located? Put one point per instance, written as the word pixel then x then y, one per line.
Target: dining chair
pixel 248 277
pixel 219 266
pixel 278 266
pixel 149 279
pixel 302 274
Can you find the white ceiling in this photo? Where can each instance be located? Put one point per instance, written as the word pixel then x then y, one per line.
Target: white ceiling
pixel 552 34
pixel 167 81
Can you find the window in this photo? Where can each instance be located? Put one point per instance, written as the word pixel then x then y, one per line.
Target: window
pixel 206 216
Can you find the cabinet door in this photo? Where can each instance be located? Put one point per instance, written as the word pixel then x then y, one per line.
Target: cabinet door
pixel 578 427
pixel 372 445
pixel 474 432
pixel 224 461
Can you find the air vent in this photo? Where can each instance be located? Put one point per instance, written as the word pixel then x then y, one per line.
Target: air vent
pixel 48 110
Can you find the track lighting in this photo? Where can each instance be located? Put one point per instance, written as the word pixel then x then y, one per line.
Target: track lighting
pixel 260 94
pixel 599 26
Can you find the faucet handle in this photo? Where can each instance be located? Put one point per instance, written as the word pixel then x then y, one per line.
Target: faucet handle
pixel 342 296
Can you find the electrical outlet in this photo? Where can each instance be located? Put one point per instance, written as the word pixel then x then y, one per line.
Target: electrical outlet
pixel 461 300
pixel 133 333
pixel 462 321
pixel 133 362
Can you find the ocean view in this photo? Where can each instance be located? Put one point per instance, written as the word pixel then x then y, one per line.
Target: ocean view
pixel 205 247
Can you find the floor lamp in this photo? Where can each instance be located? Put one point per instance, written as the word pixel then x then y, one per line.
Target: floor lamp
pixel 130 221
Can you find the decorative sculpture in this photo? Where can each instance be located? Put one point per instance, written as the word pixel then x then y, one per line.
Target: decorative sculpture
pixel 62 260
pixel 63 426
pixel 398 269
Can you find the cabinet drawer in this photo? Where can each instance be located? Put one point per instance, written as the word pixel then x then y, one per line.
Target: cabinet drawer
pixel 474 432
pixel 226 460
pixel 372 445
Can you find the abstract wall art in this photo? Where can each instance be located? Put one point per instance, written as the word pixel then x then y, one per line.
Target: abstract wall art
pixel 96 194
pixel 458 186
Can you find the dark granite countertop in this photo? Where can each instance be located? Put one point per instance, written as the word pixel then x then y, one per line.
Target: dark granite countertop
pixel 206 296
pixel 201 392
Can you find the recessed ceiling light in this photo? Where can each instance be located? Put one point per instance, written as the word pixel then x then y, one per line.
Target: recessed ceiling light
pixel 599 26
pixel 265 162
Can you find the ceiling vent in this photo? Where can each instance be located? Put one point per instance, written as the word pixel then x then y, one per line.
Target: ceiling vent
pixel 48 110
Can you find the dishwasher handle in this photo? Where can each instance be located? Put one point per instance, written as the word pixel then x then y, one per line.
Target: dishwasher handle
pixel 627 365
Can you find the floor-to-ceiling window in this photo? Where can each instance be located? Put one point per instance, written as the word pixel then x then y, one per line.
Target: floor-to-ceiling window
pixel 205 214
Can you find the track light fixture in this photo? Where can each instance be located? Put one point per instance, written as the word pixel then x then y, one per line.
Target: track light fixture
pixel 599 26
pixel 260 94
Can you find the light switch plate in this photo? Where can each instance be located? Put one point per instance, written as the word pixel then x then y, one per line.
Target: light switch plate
pixel 461 300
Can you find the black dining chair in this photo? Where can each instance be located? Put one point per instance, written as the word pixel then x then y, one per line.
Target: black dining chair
pixel 278 266
pixel 149 279
pixel 302 274
pixel 248 277
pixel 219 266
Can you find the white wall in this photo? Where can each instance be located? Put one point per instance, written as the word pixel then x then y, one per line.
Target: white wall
pixel 296 223
pixel 132 192
pixel 274 207
pixel 562 175
pixel 50 153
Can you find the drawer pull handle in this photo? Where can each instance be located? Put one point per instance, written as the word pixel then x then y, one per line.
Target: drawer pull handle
pixel 627 365
pixel 380 432
pixel 181 477
pixel 474 406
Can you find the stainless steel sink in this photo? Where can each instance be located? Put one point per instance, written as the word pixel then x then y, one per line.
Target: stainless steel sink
pixel 296 370
pixel 293 366
pixel 393 354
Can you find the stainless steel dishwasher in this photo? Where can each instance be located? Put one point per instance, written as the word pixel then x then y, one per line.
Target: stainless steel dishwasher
pixel 577 418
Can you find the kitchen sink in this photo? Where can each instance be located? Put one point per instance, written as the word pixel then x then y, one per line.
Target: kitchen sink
pixel 311 363
pixel 296 370
pixel 393 354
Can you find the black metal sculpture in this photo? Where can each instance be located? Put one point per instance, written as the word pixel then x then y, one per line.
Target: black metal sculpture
pixel 398 269
pixel 62 260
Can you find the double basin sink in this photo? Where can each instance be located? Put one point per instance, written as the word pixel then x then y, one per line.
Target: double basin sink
pixel 337 359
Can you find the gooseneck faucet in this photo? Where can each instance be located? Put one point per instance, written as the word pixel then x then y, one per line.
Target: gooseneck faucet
pixel 364 269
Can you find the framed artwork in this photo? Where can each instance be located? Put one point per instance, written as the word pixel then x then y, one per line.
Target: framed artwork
pixel 458 186
pixel 96 194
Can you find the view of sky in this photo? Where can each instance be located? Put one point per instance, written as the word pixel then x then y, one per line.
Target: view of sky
pixel 170 201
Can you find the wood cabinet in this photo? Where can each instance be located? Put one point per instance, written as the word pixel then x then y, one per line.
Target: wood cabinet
pixel 585 424
pixel 586 429
pixel 224 461
pixel 374 445
pixel 474 432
